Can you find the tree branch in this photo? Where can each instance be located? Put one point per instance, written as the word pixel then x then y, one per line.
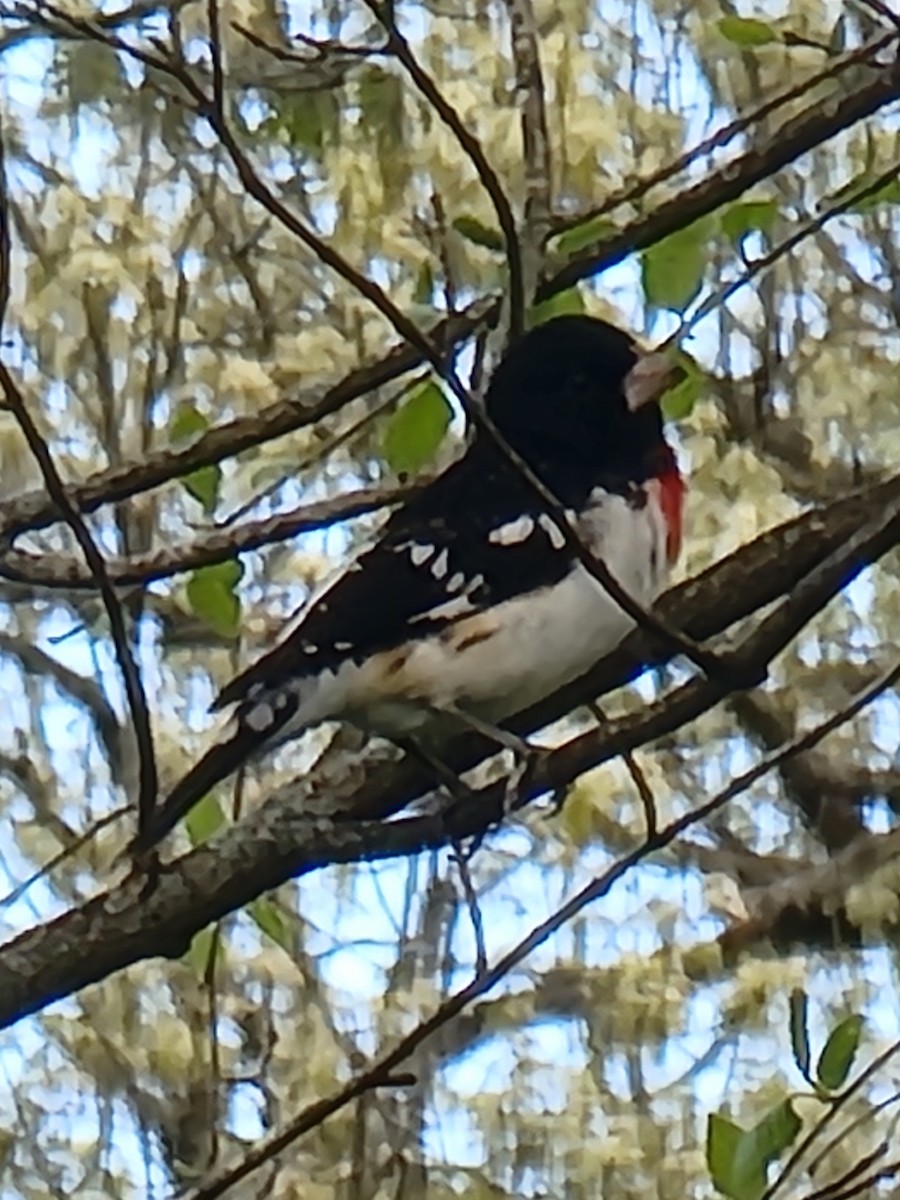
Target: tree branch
pixel 219 544
pixel 536 155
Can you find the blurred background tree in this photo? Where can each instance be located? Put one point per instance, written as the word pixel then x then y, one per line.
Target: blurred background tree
pixel 154 299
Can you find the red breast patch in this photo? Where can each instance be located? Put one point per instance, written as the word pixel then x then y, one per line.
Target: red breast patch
pixel 671 504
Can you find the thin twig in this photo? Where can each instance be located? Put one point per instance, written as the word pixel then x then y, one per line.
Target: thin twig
pixel 882 9
pixel 328 446
pixel 399 47
pixel 461 858
pixel 857 1123
pixel 62 856
pixel 214 1082
pixel 638 777
pixel 215 50
pixel 323 50
pixel 131 676
pixel 443 235
pixel 866 1185
pixel 716 299
pixel 838 1187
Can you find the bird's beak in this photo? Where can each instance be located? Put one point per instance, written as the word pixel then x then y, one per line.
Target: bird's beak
pixel 650 377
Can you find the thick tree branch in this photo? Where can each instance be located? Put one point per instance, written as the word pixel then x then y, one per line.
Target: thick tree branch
pixel 127 924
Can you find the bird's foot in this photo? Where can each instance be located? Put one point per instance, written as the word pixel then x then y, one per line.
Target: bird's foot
pixel 527 759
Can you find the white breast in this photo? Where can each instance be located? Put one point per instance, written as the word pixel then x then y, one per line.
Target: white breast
pixel 547 639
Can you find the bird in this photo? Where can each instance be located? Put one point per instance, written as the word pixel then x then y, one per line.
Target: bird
pixel 472 603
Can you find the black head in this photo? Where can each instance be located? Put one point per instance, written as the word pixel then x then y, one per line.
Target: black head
pixel 567 387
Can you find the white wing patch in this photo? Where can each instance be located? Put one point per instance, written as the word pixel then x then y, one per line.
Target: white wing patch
pixel 552 530
pixel 441 565
pixel 456 606
pixel 512 532
pixel 419 554
pixel 450 610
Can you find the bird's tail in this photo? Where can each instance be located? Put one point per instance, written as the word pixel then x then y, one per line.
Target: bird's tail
pixel 215 765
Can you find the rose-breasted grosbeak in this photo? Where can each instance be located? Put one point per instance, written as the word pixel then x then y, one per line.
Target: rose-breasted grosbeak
pixel 471 602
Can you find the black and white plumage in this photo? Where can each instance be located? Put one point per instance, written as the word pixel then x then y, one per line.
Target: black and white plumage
pixel 471 599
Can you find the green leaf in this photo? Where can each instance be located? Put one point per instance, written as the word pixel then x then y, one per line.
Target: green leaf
pixel 747 31
pixel 476 231
pixel 382 105
pixel 574 240
pixel 203 484
pixel 268 919
pixel 678 402
pixel 749 216
pixel 423 293
pixel 203 820
pixel 672 270
pixel 212 595
pixel 800 1030
pixel 738 1158
pixel 186 422
pixel 563 304
pixel 731 1172
pixel 778 1129
pixel 837 41
pixel 310 120
pixel 197 954
pixel 415 430
pixel 840 1050
pixel 93 73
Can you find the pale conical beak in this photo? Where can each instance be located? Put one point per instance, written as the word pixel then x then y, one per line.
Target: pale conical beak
pixel 650 377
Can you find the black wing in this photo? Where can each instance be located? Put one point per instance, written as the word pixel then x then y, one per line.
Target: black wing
pixel 475 537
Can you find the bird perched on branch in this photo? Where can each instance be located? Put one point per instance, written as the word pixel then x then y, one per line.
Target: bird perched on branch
pixel 473 603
